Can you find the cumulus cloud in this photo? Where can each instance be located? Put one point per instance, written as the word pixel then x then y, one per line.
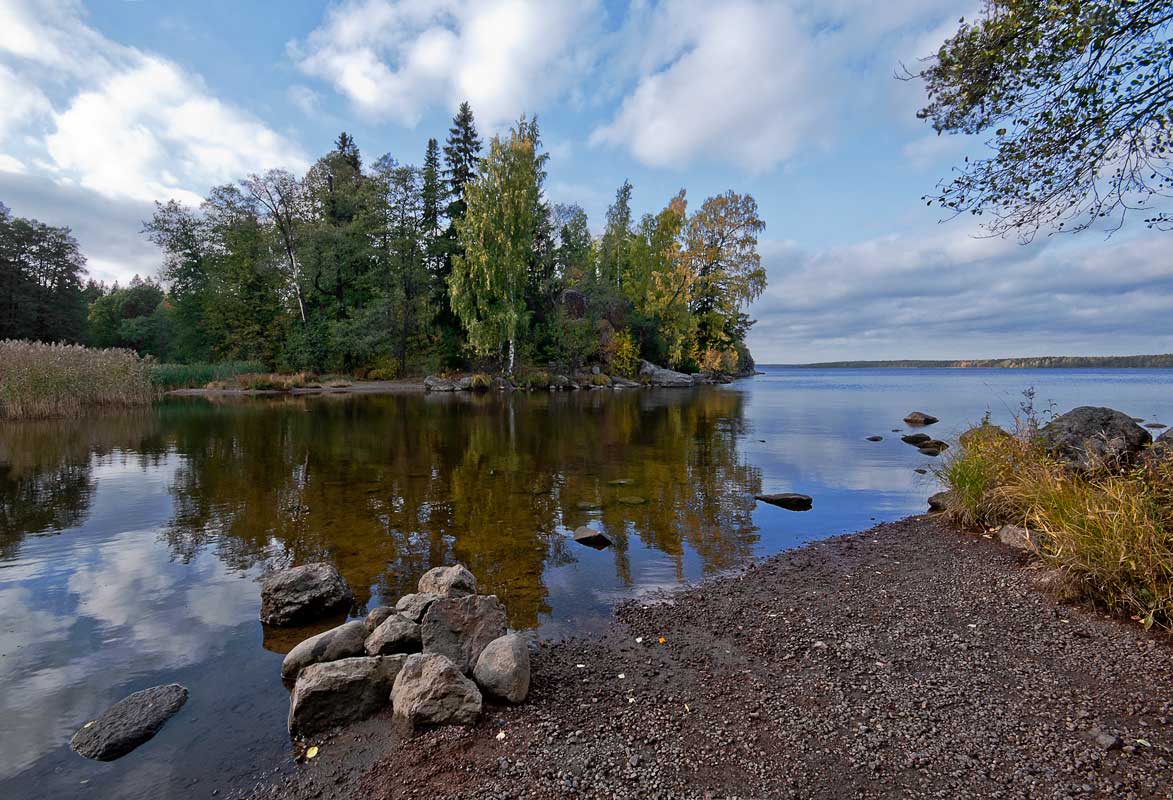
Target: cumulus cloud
pixel 395 58
pixel 946 294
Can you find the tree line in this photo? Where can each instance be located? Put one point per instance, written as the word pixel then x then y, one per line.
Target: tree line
pixel 387 269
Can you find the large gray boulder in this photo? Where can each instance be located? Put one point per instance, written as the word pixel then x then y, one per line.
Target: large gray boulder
pixel 376 616
pixel 128 723
pixel 302 594
pixel 431 690
pixel 453 581
pixel 1089 437
pixel 342 642
pixel 659 376
pixel 502 671
pixel 414 606
pixel 338 692
pixel 396 634
pixel 432 383
pixel 461 627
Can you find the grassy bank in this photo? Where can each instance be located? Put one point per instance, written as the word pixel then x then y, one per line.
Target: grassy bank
pixel 51 380
pixel 1109 530
pixel 166 377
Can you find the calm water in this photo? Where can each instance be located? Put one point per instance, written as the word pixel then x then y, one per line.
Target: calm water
pixel 130 544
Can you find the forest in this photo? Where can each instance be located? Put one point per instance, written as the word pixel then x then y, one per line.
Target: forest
pixel 384 269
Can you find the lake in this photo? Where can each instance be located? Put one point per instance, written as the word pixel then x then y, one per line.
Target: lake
pixel 131 543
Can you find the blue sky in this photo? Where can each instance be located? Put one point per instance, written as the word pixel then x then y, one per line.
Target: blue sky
pixel 108 106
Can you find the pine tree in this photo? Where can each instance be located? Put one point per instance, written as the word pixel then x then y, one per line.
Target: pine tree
pixel 461 159
pixel 346 148
pixel 433 189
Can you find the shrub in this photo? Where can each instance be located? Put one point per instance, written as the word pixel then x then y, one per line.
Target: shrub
pixel 51 380
pixel 534 380
pixel 481 382
pixel 624 355
pixel 601 379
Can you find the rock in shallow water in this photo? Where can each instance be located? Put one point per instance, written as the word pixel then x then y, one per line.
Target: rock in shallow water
pixel 503 669
pixel 916 439
pixel 430 690
pixel 591 537
pixel 129 723
pixel 461 627
pixel 920 418
pixel 339 692
pixel 342 642
pixel 875 438
pixel 453 581
pixel 788 500
pixel 303 594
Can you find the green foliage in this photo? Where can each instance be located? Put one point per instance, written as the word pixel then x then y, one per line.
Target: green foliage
pixel 534 380
pixel 53 380
pixel 1075 96
pixel 185 376
pixel 41 269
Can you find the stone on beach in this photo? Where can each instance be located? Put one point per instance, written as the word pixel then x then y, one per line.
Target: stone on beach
pixel 130 722
pixel 791 501
pixel 1089 437
pixel 303 594
pixel 432 690
pixel 503 669
pixel 396 634
pixel 461 627
pixel 376 616
pixel 1018 537
pixel 413 606
pixel 453 581
pixel 342 642
pixel 659 376
pixel 338 692
pixel 941 501
pixel 920 418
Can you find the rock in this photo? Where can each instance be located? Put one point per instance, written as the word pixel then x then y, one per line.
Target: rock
pixel 413 606
pixel 337 692
pixel 591 537
pixel 1089 437
pixel 929 451
pixel 921 471
pixel 1108 741
pixel 875 438
pixel 941 501
pixel 1155 425
pixel 464 384
pixel 632 500
pixel 595 370
pixel 933 447
pixel 916 439
pixel 502 671
pixel 128 723
pixel 453 581
pixel 788 500
pixel 586 506
pixel 302 594
pixel 1017 537
pixel 920 418
pixel 560 382
pixel 659 376
pixel 620 482
pixel 433 383
pixel 376 616
pixel 618 382
pixel 983 431
pixel 460 627
pixel 431 690
pixel 344 641
pixel 397 634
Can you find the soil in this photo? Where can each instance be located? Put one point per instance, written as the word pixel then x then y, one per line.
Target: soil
pixel 909 660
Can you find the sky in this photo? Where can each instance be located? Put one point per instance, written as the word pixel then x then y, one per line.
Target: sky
pixel 107 107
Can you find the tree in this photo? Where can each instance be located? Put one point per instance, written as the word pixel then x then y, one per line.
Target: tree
pixel 281 197
pixel 1078 96
pixel 461 157
pixel 575 248
pixel 613 250
pixel 41 271
pixel 497 234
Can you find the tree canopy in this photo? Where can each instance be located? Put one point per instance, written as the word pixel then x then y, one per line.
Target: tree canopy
pixel 1077 96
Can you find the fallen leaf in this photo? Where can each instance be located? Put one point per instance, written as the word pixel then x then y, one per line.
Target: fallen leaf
pixel 662 640
pixel 501 736
pixel 312 752
pixel 686 707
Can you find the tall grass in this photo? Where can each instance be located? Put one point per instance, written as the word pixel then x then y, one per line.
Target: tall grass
pixel 53 380
pixel 185 376
pixel 1109 531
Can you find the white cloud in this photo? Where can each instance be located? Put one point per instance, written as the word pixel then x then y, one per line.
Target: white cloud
pixel 395 58
pixel 10 164
pixel 20 102
pixel 305 98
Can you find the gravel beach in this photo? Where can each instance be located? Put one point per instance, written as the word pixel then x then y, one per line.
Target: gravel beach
pixel 909 660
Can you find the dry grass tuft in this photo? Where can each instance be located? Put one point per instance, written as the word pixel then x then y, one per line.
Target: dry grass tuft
pixel 54 380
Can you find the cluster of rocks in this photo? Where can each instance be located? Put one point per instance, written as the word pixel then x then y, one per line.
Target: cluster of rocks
pixel 649 375
pixel 432 657
pixel 925 444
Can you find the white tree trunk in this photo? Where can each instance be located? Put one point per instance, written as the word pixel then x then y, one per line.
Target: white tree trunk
pixel 511 356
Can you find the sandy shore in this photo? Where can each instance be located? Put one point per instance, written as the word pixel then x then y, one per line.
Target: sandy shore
pixel 909 660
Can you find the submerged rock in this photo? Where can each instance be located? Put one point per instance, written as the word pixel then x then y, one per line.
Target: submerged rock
pixel 453 581
pixel 461 627
pixel 342 642
pixel 591 537
pixel 503 671
pixel 414 606
pixel 303 594
pixel 1089 437
pixel 659 376
pixel 338 692
pixel 920 418
pixel 791 501
pixel 431 690
pixel 130 722
pixel 396 634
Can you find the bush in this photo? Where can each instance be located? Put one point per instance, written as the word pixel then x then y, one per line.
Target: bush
pixel 184 376
pixel 534 380
pixel 600 380
pixel 624 354
pixel 1110 533
pixel 481 382
pixel 51 380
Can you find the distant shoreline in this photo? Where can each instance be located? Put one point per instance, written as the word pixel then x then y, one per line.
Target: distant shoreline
pixel 1033 362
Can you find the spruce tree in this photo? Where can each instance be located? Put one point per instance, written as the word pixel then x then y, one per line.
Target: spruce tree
pixel 461 157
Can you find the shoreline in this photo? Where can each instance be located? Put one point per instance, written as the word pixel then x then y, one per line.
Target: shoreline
pixel 910 657
pixel 406 386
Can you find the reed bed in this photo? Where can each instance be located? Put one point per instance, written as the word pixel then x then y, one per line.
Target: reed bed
pixel 52 380
pixel 166 377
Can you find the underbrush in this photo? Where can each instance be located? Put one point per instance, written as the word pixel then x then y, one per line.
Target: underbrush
pixel 53 380
pixel 272 381
pixel 166 377
pixel 1110 531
